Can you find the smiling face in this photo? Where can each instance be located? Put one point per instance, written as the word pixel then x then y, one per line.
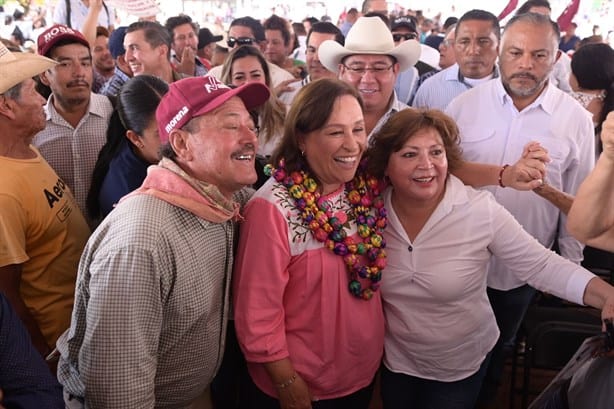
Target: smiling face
pixel 418 171
pixel 221 149
pixel 334 151
pixel 314 66
pixel 102 58
pixel 247 69
pixel 141 56
pixel 184 36
pixel 375 88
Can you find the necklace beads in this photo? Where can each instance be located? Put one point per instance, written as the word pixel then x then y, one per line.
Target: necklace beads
pixel 364 196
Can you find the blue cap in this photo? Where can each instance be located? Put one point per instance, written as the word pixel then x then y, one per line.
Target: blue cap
pixel 116 42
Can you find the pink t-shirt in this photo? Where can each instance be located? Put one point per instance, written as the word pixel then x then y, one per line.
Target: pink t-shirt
pixel 291 300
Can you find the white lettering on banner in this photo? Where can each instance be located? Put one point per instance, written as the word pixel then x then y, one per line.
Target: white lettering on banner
pixel 169 127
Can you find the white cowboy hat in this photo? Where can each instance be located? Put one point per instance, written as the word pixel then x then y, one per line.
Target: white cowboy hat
pixel 369 35
pixel 17 67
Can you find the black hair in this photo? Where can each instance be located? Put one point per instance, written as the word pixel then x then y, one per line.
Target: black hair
pixel 173 22
pixel 593 67
pixel 136 106
pixel 326 27
pixel 528 5
pixel 252 24
pixel 155 34
pixel 277 23
pixel 481 15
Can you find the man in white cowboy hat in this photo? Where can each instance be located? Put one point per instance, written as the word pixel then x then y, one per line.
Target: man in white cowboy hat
pixel 370 62
pixel 42 230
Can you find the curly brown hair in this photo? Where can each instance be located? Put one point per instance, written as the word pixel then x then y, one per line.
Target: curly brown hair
pixel 405 124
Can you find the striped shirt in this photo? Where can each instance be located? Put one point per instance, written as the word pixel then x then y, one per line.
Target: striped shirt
pixel 113 85
pixel 72 152
pixel 439 90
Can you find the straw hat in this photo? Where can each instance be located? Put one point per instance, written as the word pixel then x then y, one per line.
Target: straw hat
pixel 369 35
pixel 17 67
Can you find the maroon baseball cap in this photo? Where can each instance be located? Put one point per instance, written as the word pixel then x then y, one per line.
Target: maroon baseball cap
pixel 195 96
pixel 56 33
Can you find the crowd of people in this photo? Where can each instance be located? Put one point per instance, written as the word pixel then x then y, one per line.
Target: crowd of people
pixel 309 215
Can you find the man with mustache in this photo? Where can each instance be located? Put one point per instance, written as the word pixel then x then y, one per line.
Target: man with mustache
pixel 77 119
pixel 496 120
pixel 152 299
pixel 476 46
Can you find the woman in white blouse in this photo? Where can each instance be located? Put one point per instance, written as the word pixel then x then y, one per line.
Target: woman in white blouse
pixel 440 237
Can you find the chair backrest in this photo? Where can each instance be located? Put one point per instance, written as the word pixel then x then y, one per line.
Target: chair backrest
pixel 551 344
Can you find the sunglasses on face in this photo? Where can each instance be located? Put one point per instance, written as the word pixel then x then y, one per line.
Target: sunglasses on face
pixel 240 41
pixel 404 37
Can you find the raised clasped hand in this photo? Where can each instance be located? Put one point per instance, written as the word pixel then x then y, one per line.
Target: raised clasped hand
pixel 530 170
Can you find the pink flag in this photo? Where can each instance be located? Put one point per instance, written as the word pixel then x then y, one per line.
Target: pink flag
pixel 568 14
pixel 511 6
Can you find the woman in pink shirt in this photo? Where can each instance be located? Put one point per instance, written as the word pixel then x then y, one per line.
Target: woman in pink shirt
pixel 307 311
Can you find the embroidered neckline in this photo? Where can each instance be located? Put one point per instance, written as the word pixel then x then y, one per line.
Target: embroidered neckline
pixel 365 198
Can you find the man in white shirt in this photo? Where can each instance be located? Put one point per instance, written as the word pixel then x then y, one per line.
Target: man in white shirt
pixel 476 46
pixel 496 120
pixel 73 13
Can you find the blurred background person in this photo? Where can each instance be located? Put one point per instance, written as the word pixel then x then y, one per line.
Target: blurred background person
pixel 300 351
pixel 102 60
pixel 132 145
pixel 184 45
pixel 247 64
pixel 592 82
pixel 206 46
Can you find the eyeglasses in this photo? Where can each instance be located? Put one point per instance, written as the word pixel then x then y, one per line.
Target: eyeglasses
pixel 241 41
pixel 360 70
pixel 404 37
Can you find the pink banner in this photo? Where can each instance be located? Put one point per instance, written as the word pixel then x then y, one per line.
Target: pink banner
pixel 568 14
pixel 511 6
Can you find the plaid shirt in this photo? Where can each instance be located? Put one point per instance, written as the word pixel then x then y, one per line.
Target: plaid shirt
pixel 72 152
pixel 112 86
pixel 151 306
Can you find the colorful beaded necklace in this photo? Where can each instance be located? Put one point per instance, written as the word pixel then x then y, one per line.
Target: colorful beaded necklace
pixel 364 196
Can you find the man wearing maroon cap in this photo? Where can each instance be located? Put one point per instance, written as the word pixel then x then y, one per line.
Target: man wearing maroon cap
pixel 149 323
pixel 77 119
